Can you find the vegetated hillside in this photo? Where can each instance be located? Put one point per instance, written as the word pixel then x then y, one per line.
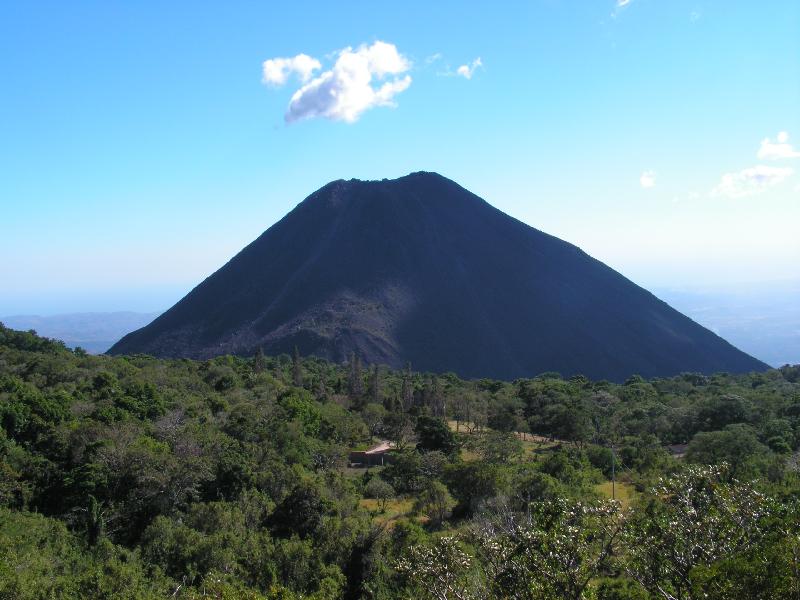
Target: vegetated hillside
pixel 135 477
pixel 419 269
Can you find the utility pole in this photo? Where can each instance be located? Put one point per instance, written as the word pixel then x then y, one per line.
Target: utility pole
pixel 613 475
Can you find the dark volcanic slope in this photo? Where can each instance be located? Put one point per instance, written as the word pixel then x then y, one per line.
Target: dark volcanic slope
pixel 420 269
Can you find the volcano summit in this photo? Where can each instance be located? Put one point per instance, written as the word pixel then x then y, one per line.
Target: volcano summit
pixel 419 269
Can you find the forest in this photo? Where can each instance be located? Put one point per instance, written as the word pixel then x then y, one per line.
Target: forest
pixel 135 477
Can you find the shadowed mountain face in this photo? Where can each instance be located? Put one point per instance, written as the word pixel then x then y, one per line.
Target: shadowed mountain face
pixel 419 269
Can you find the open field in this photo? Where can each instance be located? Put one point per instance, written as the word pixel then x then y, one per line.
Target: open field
pixel 396 509
pixel 625 492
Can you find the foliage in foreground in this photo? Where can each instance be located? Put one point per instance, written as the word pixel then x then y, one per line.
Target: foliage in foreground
pixel 133 477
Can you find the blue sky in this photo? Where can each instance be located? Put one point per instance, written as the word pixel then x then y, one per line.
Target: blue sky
pixel 142 148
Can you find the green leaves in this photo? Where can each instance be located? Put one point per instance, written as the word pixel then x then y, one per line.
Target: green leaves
pixel 162 477
pixel 693 520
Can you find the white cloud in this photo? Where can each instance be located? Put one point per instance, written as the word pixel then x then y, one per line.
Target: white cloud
pixel 619 6
pixel 360 79
pixel 753 180
pixel 647 179
pixel 433 58
pixel 467 71
pixel 277 70
pixel 780 148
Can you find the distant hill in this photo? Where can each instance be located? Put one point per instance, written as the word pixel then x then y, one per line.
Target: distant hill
pixel 94 332
pixel 419 269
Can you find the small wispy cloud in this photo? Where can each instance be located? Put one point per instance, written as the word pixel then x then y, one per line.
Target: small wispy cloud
pixel 433 58
pixel 360 79
pixel 468 70
pixel 751 181
pixel 619 7
pixel 779 149
pixel 647 179
pixel 758 179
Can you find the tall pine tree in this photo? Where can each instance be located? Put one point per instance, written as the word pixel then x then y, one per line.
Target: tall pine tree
pixel 407 392
pixel 437 398
pixel 95 524
pixel 258 360
pixel 375 385
pixel 322 391
pixel 355 380
pixel 297 374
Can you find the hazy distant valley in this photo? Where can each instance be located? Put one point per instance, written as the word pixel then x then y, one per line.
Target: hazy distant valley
pixel 763 320
pixel 95 332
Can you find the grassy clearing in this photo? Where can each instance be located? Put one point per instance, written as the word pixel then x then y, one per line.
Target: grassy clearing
pixel 534 447
pixel 366 444
pixel 625 492
pixel 396 509
pixel 461 426
pixel 468 428
pixel 359 472
pixel 469 455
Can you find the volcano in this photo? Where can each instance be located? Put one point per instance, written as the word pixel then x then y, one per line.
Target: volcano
pixel 420 270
